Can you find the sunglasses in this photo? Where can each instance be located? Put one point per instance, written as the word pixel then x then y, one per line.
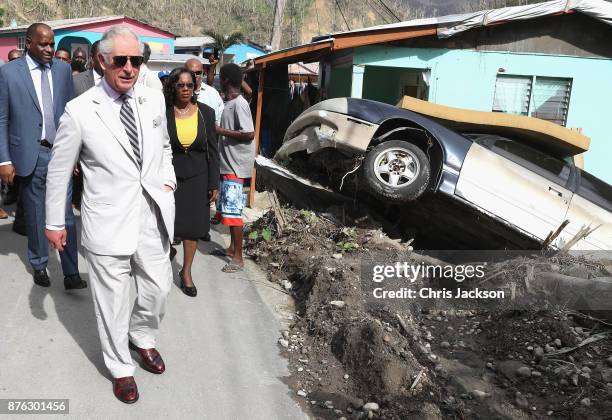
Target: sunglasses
pixel 198 73
pixel 121 60
pixel 184 85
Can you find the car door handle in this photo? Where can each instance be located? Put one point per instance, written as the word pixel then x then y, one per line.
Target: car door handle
pixel 559 193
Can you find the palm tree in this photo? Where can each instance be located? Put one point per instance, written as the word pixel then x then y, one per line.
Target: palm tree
pixel 223 41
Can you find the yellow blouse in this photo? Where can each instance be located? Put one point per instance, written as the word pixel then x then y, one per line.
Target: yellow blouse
pixel 187 129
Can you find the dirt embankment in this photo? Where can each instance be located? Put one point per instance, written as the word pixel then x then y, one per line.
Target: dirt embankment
pixel 355 359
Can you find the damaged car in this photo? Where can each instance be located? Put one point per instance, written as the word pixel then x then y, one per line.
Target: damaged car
pixel 518 171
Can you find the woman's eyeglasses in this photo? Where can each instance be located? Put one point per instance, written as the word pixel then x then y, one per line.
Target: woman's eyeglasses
pixel 121 60
pixel 184 85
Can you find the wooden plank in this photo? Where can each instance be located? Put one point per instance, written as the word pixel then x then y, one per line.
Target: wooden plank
pixel 293 54
pixel 378 37
pixel 257 132
pixel 544 133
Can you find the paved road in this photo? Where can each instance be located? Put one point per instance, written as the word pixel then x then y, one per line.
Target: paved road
pixel 220 348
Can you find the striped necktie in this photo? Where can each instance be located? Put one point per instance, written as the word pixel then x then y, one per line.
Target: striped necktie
pixel 129 122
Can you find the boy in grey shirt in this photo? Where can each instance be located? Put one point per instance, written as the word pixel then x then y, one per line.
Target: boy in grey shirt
pixel 237 157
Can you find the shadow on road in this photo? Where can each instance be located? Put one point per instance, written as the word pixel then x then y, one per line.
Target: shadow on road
pixel 74 308
pixel 203 248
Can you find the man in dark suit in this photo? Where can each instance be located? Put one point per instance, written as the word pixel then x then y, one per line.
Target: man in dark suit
pixel 34 91
pixel 92 77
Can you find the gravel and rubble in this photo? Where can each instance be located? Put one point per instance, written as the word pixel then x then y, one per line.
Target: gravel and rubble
pixel 354 360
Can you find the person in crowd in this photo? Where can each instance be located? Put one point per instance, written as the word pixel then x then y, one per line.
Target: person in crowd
pixel 117 131
pixel 14 54
pixel 30 112
pixel 211 69
pixel 205 94
pixel 92 77
pixel 80 57
pixel 147 77
pixel 237 157
pixel 63 54
pixel 12 193
pixel 77 67
pixel 163 77
pixel 191 127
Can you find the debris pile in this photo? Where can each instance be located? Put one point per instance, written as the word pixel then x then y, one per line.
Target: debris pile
pixel 351 359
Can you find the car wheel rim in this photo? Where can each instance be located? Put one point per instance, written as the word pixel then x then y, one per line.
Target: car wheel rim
pixel 396 167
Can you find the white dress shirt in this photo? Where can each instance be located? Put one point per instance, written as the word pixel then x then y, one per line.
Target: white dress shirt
pixel 208 95
pixel 36 73
pixel 116 104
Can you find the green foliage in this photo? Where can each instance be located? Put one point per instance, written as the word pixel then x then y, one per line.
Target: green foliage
pixel 253 235
pixel 224 41
pixel 347 246
pixel 1 14
pixel 265 234
pixel 308 215
pixel 348 242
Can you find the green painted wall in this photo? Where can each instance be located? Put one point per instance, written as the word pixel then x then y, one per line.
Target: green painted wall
pixel 381 84
pixel 466 79
pixel 340 82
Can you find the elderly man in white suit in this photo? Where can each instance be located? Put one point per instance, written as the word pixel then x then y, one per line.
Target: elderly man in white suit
pixel 117 131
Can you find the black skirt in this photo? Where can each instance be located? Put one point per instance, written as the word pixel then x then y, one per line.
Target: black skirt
pixel 192 220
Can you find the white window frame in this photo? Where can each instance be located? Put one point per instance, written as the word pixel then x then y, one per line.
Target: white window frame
pixel 21 43
pixel 532 91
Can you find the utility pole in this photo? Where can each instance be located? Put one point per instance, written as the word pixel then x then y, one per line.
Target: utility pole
pixel 277 28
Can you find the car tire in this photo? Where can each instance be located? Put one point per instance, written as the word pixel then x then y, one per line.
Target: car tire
pixel 397 170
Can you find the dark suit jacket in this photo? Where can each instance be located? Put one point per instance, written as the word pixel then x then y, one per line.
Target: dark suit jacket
pixel 83 82
pixel 20 113
pixel 203 154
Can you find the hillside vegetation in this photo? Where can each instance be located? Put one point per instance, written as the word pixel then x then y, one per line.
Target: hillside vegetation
pixel 302 18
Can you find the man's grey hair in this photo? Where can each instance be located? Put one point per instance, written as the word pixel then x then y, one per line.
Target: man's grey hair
pixel 106 43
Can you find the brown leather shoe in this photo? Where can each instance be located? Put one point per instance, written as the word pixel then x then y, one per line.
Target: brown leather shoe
pixel 125 390
pixel 150 358
pixel 3 214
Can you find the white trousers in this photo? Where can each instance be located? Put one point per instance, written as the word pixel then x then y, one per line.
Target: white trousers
pixel 110 277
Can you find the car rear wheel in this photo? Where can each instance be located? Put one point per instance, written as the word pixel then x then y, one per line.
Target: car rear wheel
pixel 397 171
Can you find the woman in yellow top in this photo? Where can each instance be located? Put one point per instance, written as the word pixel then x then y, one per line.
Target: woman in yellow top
pixel 195 156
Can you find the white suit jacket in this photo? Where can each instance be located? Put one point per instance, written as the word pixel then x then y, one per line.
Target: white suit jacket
pixel 91 133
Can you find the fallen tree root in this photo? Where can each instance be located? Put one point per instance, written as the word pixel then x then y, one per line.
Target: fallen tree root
pixel 590 340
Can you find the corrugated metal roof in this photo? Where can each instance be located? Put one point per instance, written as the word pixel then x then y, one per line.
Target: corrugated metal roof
pixel 176 58
pixel 452 24
pixel 69 23
pixel 446 26
pixel 193 41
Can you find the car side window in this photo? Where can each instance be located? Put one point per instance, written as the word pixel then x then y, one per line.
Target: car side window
pixel 549 167
pixel 595 190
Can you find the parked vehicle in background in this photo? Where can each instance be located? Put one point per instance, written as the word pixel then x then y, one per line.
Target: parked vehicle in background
pixel 526 181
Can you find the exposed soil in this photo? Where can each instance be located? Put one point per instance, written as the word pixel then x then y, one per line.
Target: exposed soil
pixel 346 352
